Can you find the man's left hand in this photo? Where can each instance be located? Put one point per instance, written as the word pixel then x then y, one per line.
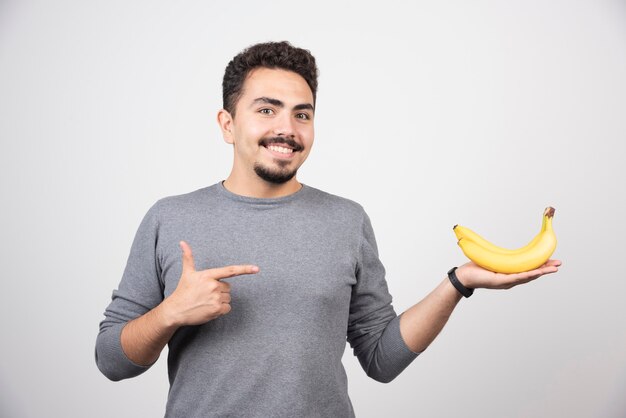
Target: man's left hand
pixel 473 276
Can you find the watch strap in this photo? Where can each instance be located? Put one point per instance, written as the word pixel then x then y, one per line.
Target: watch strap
pixel 465 291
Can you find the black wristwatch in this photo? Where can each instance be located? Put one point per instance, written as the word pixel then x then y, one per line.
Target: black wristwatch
pixel 467 292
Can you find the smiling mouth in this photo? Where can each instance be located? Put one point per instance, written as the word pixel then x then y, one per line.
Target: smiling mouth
pixel 279 148
pixel 281 145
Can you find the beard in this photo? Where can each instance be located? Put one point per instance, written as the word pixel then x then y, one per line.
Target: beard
pixel 281 174
pixel 275 176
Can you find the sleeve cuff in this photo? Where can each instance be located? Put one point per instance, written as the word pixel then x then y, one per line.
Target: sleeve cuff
pixel 392 354
pixel 110 357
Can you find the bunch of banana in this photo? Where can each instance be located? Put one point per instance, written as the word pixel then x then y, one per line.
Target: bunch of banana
pixel 502 260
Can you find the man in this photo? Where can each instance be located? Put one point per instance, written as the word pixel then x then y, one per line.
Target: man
pixel 274 275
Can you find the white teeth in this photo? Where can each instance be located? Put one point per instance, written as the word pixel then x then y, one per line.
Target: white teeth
pixel 282 150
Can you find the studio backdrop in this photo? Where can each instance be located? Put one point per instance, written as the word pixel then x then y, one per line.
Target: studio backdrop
pixel 429 114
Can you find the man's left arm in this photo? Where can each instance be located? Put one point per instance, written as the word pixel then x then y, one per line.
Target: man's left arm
pixel 420 324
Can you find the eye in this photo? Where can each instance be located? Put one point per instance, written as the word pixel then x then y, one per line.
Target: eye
pixel 266 111
pixel 303 116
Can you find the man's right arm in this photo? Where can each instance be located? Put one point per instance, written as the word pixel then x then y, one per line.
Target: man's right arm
pixel 199 297
pixel 139 322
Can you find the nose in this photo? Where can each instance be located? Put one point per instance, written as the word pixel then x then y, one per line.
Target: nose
pixel 285 125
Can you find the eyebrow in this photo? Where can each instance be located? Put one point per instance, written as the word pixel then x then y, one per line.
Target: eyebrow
pixel 279 103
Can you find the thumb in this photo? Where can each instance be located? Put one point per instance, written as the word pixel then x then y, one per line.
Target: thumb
pixel 188 264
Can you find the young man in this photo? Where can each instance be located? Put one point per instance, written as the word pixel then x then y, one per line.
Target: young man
pixel 274 275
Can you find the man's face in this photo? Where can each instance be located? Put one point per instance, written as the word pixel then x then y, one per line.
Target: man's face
pixel 272 130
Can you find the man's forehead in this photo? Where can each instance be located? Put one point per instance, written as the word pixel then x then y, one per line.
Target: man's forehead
pixel 276 83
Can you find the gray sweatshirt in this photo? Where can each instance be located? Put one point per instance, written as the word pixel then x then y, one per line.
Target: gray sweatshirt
pixel 278 352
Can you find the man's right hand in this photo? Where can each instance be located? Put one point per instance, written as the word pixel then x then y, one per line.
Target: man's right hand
pixel 201 296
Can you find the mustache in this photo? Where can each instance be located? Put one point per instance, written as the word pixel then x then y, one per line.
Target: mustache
pixel 281 140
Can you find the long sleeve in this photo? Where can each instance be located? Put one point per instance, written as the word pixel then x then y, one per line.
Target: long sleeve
pixel 139 291
pixel 373 326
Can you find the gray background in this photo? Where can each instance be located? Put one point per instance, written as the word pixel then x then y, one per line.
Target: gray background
pixel 430 113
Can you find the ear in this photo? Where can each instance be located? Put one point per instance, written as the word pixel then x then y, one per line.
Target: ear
pixel 225 120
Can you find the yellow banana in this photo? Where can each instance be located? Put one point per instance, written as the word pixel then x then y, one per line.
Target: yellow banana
pixel 464 232
pixel 502 260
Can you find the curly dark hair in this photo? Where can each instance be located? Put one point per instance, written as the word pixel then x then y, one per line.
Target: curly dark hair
pixel 281 55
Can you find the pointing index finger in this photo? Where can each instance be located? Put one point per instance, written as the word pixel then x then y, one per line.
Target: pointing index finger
pixel 231 271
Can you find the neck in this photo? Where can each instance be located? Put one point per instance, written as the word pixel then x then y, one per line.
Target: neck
pixel 260 188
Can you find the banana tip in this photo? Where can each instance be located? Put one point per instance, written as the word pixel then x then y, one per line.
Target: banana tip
pixel 549 212
pixel 454 227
